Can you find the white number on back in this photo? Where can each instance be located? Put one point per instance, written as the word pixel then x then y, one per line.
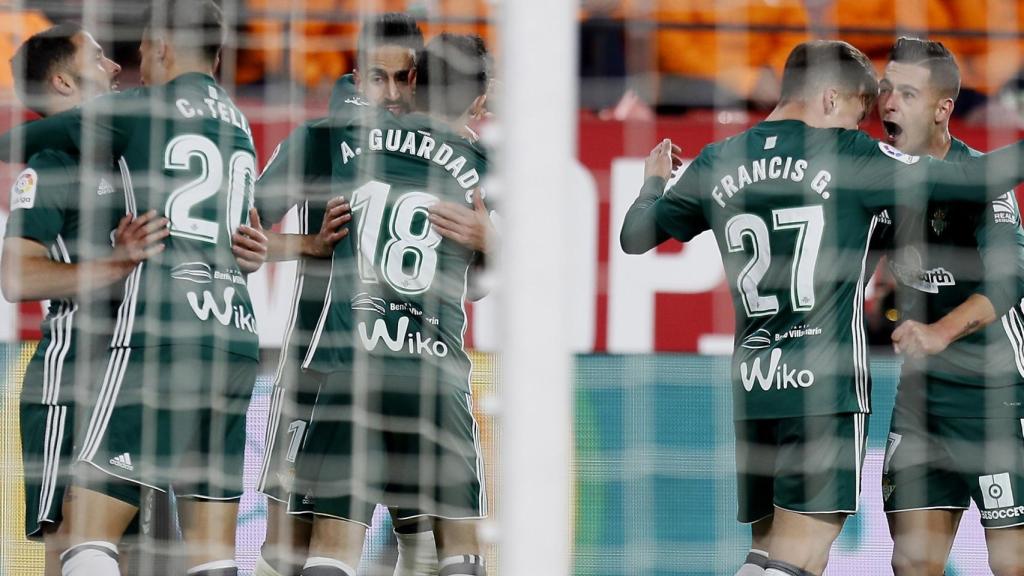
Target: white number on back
pixel 410 234
pixel 178 156
pixel 809 222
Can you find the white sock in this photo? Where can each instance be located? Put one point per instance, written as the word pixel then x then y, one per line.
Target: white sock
pixel 417 554
pixel 754 565
pixel 464 565
pixel 750 570
pixel 320 561
pixel 96 558
pixel 264 569
pixel 216 567
pixel 774 572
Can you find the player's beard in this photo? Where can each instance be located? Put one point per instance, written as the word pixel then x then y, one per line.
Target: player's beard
pixel 91 88
pixel 396 107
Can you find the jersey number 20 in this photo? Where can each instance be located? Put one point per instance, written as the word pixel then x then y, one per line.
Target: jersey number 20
pixel 408 235
pixel 809 224
pixel 241 173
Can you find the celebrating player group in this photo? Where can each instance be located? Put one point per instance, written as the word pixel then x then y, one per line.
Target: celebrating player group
pixel 139 217
pixel 803 206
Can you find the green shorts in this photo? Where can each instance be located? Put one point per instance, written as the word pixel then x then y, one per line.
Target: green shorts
pixel 939 462
pixel 393 436
pixel 808 464
pixel 170 416
pixel 291 407
pixel 47 432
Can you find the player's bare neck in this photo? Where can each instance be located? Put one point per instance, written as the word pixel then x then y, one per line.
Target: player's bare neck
pixel 794 110
pixel 941 142
pixel 189 66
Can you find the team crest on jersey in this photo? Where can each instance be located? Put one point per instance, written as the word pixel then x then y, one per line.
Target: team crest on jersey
pixel 23 193
pixel 895 154
pixel 1004 209
pixel 938 221
pixel 104 188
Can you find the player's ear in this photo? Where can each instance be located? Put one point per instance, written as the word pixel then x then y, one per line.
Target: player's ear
pixel 63 84
pixel 944 110
pixel 828 101
pixel 357 79
pixel 479 106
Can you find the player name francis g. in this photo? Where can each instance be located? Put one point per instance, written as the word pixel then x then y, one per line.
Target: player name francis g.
pixel 421 144
pixel 774 168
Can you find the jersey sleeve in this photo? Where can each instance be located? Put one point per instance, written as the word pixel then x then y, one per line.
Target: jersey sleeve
pixel 293 172
pixel 344 89
pixel 39 197
pixel 1001 241
pixel 100 126
pixel 885 177
pixel 655 217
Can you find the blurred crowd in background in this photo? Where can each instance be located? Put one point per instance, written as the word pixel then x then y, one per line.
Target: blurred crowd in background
pixel 637 57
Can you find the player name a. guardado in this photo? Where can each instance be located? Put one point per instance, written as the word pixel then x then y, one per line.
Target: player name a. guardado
pixel 421 144
pixel 764 169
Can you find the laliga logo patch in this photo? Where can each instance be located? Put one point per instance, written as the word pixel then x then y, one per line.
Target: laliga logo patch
pixel 897 155
pixel 23 193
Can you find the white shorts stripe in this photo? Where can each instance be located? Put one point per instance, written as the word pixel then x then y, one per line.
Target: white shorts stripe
pixel 55 418
pixel 315 340
pixel 482 502
pixel 106 403
pixel 270 441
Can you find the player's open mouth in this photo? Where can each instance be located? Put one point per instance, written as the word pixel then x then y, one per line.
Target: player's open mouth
pixel 892 130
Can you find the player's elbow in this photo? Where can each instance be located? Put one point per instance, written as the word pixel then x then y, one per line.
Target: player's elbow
pixel 10 282
pixel 633 243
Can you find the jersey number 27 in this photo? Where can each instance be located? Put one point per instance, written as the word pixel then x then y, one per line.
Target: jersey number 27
pixel 809 224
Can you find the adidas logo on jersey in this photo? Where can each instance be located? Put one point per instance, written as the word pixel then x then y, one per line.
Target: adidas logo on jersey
pixel 123 461
pixel 104 188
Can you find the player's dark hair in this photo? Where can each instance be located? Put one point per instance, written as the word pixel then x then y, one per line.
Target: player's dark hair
pixel 389 28
pixel 190 24
pixel 820 62
pixel 451 72
pixel 944 73
pixel 38 59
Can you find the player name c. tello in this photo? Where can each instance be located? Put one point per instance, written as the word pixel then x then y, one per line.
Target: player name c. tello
pixel 774 168
pixel 420 144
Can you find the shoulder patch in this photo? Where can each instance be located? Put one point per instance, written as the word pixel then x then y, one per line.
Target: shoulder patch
pixel 23 192
pixel 895 154
pixel 1004 209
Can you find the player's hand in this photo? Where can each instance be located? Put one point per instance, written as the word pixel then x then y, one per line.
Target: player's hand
pixel 333 228
pixel 471 228
pixel 249 244
pixel 138 238
pixel 663 160
pixel 917 340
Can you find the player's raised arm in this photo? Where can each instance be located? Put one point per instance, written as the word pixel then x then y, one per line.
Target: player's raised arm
pixel 655 217
pixel 889 177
